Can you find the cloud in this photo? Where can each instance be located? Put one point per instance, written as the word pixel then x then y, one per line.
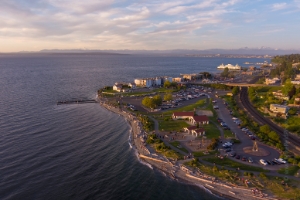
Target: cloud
pixel 113 24
pixel 279 6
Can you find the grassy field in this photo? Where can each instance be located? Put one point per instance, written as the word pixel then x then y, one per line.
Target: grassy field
pixel 201 153
pixel 176 144
pixel 136 93
pixel 211 131
pixel 291 170
pixel 230 163
pixel 165 90
pixel 172 125
pixel 199 103
pixel 228 134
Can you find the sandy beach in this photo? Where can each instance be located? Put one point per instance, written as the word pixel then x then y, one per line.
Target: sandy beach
pixel 176 170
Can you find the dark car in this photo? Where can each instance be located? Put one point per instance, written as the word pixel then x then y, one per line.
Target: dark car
pixel 237 157
pixel 232 154
pixel 269 163
pixel 244 158
pixel 273 162
pixel 228 150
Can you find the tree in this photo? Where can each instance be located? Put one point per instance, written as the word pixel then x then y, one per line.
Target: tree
pixel 264 129
pixel 225 73
pixel 173 84
pixel 292 92
pixel 235 90
pixel 167 84
pixel 273 135
pixel 168 97
pixel 292 111
pixel 148 102
pixel 157 100
pixel 287 87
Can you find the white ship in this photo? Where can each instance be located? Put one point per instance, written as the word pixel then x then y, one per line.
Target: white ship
pixel 230 66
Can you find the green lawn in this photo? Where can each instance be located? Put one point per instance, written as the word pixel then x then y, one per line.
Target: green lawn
pixel 201 153
pixel 164 90
pixel 291 170
pixel 199 103
pixel 230 163
pixel 211 131
pixel 176 144
pixel 172 125
pixel 136 93
pixel 228 134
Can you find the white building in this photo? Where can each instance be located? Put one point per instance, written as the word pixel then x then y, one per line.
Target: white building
pixel 270 81
pixel 276 108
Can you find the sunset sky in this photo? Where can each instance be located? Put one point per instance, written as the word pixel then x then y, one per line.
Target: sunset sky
pixel 32 25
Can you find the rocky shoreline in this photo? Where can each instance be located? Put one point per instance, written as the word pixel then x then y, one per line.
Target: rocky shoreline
pixel 176 170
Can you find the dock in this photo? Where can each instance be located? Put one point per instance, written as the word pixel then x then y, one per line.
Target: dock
pixel 77 101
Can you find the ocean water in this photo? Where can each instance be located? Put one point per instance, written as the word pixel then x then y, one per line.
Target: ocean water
pixel 80 151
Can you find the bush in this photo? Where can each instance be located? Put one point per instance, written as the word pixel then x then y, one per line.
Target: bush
pixel 213 144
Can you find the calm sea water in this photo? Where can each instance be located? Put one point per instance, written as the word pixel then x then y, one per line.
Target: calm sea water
pixel 79 151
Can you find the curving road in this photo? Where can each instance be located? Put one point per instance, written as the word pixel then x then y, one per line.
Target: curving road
pixel 291 140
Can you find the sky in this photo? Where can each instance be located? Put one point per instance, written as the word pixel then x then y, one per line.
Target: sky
pixel 33 25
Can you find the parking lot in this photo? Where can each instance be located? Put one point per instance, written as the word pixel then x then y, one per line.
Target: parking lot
pixel 241 152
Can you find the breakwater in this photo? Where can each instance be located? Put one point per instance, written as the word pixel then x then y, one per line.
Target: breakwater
pixel 76 101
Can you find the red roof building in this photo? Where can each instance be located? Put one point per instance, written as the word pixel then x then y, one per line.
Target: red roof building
pixel 202 119
pixel 182 115
pixel 198 132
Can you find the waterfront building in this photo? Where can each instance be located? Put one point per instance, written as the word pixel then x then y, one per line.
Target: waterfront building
pixel 191 77
pixel 117 87
pixel 152 82
pixel 177 79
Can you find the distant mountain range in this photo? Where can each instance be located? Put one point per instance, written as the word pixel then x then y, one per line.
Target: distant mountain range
pixel 263 51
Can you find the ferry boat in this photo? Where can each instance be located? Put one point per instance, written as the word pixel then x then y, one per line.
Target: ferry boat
pixel 230 66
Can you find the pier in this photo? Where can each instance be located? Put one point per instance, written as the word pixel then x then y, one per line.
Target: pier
pixel 76 101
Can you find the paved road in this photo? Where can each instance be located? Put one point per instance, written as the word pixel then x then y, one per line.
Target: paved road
pixel 224 114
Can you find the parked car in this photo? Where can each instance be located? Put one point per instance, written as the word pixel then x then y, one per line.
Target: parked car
pixel 244 158
pixel 263 162
pixel 237 156
pixel 281 160
pixel 250 160
pixel 232 154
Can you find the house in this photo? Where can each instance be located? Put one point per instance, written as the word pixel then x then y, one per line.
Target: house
pixel 177 79
pixel 295 82
pixel 182 115
pixel 132 85
pixel 191 76
pixel 276 108
pixel 189 129
pixel 271 81
pixel 198 132
pixel 117 87
pixel 202 119
pixel 280 95
pixel 297 78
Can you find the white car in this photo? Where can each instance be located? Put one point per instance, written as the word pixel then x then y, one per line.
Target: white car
pixel 280 160
pixel 263 162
